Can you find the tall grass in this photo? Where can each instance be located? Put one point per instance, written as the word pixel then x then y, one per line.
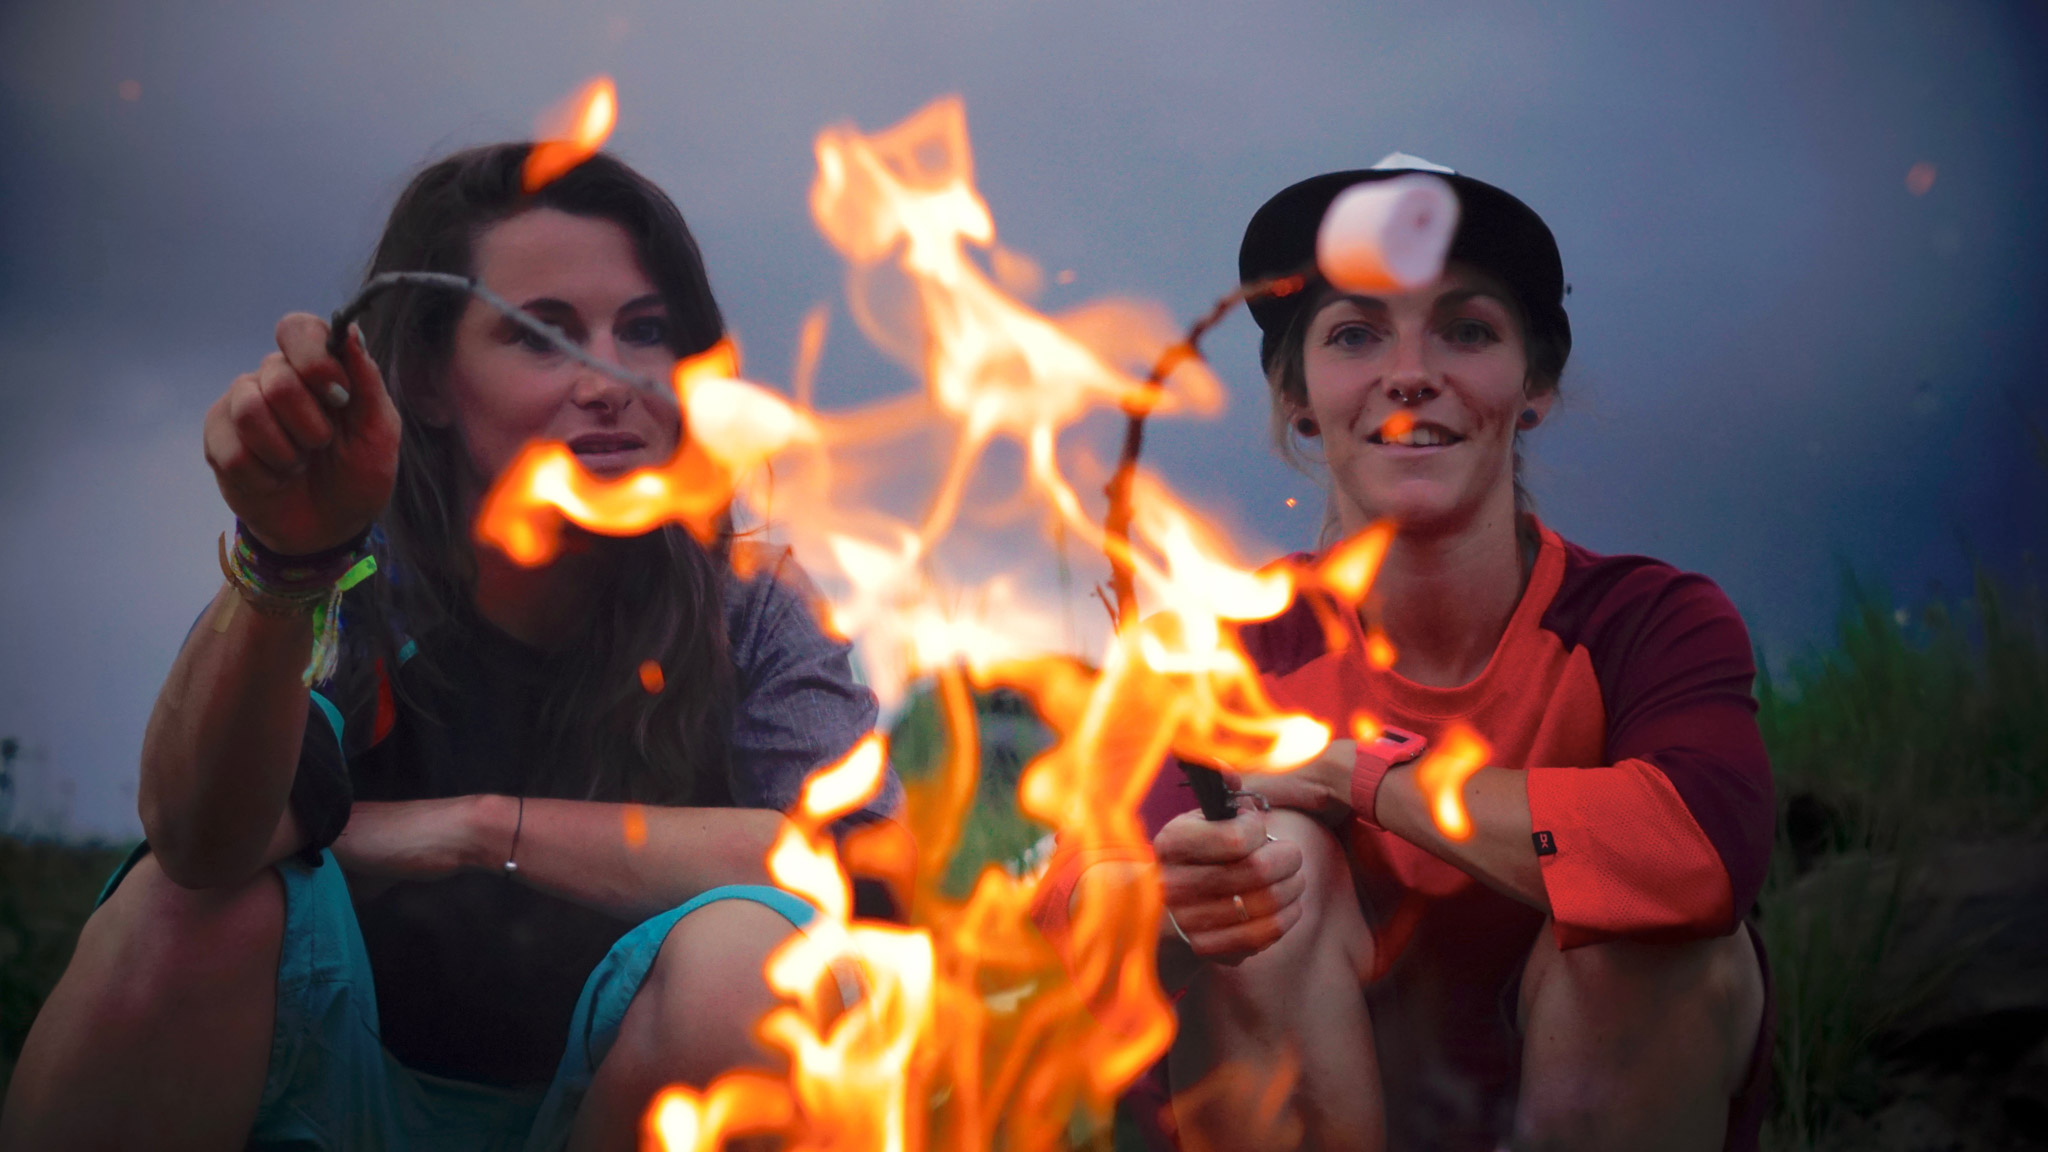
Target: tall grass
pixel 1913 728
pixel 1913 732
pixel 46 892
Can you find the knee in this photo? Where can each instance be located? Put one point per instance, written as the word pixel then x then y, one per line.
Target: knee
pixel 1329 898
pixel 1331 936
pixel 154 941
pixel 1324 865
pixel 1717 978
pixel 1609 1026
pixel 708 988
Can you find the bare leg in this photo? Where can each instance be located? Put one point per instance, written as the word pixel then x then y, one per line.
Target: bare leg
pixel 692 1020
pixel 1635 1046
pixel 158 1034
pixel 1278 1051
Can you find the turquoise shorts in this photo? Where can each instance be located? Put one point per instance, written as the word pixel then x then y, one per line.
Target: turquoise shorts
pixel 332 1085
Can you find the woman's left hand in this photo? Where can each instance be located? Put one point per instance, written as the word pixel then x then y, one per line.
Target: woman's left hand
pixel 1321 788
pixel 409 839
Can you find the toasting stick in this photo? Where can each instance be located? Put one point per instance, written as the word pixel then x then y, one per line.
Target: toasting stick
pixel 347 314
pixel 1375 236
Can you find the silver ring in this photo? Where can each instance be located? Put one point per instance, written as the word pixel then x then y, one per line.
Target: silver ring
pixel 1244 915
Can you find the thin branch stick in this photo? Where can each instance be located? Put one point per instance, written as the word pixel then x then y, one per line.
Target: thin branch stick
pixel 378 285
pixel 1116 523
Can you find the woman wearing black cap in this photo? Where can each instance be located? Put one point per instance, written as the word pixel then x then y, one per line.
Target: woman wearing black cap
pixel 1576 973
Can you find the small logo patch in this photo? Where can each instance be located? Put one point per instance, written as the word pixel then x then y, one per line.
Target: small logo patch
pixel 1546 844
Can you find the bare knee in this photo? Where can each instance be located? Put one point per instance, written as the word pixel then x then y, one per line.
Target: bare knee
pixel 154 942
pixel 1331 924
pixel 707 991
pixel 158 1032
pixel 1278 1051
pixel 1626 1028
pixel 1321 961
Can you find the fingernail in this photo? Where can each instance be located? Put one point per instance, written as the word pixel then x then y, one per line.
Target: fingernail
pixel 356 330
pixel 337 396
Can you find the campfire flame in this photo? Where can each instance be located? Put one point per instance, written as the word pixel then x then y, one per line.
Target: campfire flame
pixel 971 1030
pixel 571 133
pixel 1459 753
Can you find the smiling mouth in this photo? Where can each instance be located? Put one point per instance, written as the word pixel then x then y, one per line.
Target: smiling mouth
pixel 605 444
pixel 1413 434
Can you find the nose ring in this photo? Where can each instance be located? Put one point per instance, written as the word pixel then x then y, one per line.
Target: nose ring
pixel 1411 398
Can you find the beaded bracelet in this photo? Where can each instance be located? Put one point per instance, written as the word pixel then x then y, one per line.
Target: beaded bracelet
pixel 279 585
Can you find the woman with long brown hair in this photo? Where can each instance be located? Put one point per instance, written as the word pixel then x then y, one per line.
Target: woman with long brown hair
pixel 498 875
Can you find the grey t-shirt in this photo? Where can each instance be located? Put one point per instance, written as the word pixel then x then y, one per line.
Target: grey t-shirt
pixel 477 975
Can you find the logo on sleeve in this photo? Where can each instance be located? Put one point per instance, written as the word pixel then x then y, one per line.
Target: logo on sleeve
pixel 1546 844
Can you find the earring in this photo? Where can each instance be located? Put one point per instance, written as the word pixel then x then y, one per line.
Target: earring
pixel 1530 418
pixel 1306 425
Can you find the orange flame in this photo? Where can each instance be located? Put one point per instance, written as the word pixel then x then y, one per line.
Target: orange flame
pixel 1397 425
pixel 1458 753
pixel 572 133
pixel 1379 651
pixel 732 426
pixel 1349 568
pixel 971 1029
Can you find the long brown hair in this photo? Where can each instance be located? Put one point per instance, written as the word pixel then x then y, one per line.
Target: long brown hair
pixel 661 599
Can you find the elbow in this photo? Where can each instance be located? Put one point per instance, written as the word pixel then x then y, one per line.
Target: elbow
pixel 190 865
pixel 191 857
pixel 198 876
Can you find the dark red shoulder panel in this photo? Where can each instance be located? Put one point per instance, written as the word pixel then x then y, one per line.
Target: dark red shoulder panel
pixel 1284 643
pixel 1675 669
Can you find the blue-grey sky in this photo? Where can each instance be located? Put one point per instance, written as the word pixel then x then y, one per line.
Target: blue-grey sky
pixel 1786 360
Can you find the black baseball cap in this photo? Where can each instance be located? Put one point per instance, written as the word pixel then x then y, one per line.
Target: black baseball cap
pixel 1496 233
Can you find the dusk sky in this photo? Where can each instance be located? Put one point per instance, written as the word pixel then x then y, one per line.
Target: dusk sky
pixel 1791 358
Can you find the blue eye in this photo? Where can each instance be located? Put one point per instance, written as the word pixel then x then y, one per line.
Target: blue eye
pixel 644 331
pixel 1470 333
pixel 1351 336
pixel 532 341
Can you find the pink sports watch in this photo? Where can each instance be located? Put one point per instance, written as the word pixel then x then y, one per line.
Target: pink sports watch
pixel 1392 747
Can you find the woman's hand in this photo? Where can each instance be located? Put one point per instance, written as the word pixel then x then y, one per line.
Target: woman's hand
pixel 1231 888
pixel 305 448
pixel 1321 788
pixel 414 839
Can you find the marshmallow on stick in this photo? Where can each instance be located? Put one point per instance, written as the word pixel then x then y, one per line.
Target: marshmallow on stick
pixel 1388 235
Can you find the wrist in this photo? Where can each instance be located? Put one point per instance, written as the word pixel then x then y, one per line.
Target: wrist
pixel 488 831
pixel 1392 748
pixel 337 556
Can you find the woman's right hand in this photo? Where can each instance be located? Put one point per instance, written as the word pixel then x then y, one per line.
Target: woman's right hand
pixel 305 448
pixel 1204 863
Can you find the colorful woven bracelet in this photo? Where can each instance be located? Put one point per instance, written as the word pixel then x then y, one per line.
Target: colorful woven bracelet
pixel 278 571
pixel 278 585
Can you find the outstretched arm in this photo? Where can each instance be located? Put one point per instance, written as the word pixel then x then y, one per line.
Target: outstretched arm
pixel 304 452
